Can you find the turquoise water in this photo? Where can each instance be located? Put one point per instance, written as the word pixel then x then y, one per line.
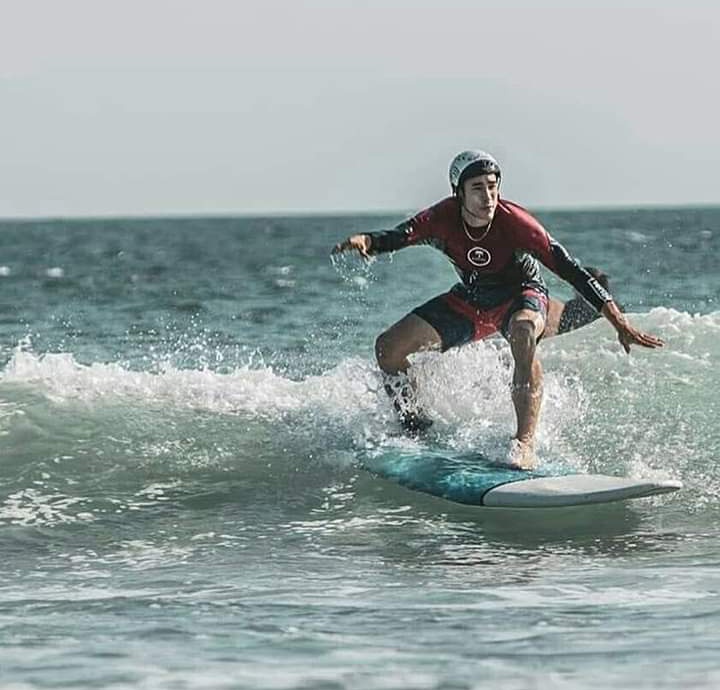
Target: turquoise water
pixel 181 405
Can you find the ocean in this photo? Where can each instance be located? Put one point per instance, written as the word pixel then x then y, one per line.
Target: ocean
pixel 182 405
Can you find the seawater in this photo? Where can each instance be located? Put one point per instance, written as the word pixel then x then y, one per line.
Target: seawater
pixel 181 405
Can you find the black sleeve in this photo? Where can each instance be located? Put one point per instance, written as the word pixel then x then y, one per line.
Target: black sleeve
pixel 571 271
pixel 390 240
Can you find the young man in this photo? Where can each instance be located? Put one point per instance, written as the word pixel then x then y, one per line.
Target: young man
pixel 493 245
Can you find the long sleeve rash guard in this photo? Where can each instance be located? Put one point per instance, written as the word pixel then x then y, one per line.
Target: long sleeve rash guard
pixel 498 264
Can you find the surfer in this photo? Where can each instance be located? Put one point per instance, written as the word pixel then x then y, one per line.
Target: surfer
pixel 495 246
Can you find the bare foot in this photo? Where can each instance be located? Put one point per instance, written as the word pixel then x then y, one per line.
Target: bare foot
pixel 521 455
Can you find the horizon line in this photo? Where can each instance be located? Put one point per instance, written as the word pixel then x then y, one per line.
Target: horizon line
pixel 333 213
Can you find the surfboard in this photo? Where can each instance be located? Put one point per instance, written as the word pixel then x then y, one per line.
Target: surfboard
pixel 472 479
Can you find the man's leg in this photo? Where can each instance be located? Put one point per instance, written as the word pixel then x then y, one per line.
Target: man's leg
pixel 409 335
pixel 552 322
pixel 524 329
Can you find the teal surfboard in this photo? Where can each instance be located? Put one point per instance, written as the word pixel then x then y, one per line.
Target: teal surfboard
pixel 472 479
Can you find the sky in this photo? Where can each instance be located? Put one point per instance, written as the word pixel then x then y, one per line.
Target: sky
pixel 252 107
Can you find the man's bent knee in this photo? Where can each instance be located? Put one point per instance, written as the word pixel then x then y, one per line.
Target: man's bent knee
pixel 408 336
pixel 392 352
pixel 389 357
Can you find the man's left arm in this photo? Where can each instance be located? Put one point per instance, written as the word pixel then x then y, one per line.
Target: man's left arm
pixel 558 260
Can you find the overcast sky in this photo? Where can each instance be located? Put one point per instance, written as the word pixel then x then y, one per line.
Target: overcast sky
pixel 147 107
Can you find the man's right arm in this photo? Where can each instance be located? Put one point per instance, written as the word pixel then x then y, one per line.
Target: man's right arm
pixel 425 227
pixel 380 242
pixel 391 240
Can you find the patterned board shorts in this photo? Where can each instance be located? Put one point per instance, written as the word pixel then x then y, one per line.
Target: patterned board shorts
pixel 459 322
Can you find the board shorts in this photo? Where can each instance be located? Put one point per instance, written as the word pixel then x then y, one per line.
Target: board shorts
pixel 459 322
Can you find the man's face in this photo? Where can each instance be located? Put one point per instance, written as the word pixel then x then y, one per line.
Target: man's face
pixel 480 198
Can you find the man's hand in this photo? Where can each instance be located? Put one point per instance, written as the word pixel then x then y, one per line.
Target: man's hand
pixel 359 243
pixel 627 334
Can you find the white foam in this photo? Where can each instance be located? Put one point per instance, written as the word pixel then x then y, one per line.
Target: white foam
pixel 598 405
pixel 466 391
pixel 351 385
pixel 33 507
pixel 637 237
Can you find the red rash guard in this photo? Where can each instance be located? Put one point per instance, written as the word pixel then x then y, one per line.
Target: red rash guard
pixel 497 265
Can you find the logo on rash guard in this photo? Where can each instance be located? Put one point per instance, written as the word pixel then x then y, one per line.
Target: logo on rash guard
pixel 479 256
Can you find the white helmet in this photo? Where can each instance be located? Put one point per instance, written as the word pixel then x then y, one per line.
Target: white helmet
pixel 471 163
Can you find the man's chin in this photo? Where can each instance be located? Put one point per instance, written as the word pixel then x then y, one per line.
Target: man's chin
pixel 482 218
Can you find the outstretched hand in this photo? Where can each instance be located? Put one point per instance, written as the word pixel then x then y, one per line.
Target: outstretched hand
pixel 359 243
pixel 627 333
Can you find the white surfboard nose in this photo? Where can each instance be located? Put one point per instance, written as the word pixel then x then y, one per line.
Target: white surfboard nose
pixel 574 490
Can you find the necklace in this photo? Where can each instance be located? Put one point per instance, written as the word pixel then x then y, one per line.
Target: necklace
pixel 476 239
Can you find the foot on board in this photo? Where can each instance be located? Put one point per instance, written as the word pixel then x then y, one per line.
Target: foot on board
pixel 412 417
pixel 521 455
pixel 415 422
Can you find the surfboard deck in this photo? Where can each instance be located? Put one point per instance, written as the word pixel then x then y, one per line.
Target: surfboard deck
pixel 574 490
pixel 472 479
